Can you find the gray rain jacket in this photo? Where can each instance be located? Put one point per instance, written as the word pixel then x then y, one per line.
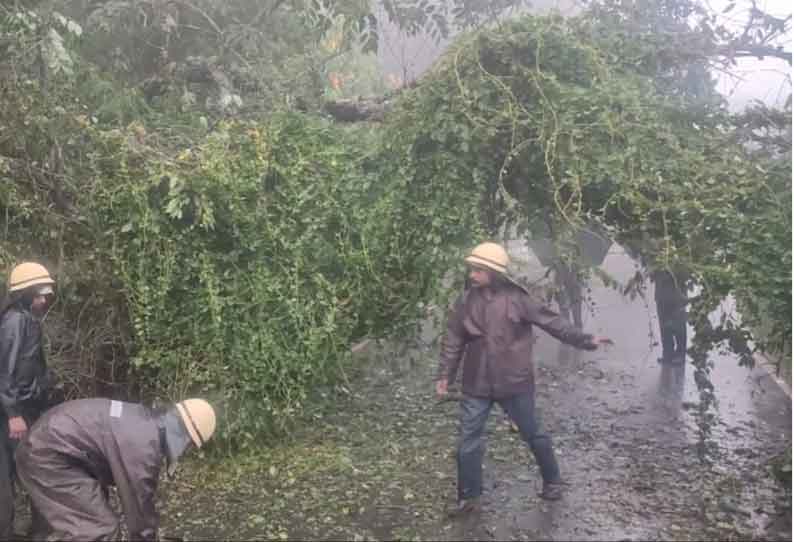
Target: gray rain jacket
pixel 77 449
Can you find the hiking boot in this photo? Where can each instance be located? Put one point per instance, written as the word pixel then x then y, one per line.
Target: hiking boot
pixel 464 508
pixel 551 491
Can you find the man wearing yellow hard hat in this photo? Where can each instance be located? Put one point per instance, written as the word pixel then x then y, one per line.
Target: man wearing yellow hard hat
pixel 23 371
pixel 490 329
pixel 79 448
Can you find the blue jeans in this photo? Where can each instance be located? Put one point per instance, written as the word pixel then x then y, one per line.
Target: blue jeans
pixel 471 448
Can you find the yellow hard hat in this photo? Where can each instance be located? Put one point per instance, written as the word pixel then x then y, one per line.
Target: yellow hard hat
pixel 199 419
pixel 28 274
pixel 490 255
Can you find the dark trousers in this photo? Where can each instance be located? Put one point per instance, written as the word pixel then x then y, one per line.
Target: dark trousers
pixel 75 503
pixel 471 448
pixel 8 476
pixel 569 293
pixel 672 327
pixel 6 482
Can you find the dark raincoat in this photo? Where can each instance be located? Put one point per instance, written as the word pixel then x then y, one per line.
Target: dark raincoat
pixel 23 392
pixel 491 330
pixel 23 368
pixel 79 448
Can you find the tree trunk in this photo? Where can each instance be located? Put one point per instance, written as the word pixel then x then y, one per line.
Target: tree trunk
pixel 362 109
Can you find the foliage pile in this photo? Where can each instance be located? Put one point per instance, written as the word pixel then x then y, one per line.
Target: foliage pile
pixel 252 261
pixel 239 261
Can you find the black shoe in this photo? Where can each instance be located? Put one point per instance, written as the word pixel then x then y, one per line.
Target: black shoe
pixel 464 508
pixel 551 491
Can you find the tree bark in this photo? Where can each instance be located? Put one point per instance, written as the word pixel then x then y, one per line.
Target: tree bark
pixel 362 109
pixel 758 51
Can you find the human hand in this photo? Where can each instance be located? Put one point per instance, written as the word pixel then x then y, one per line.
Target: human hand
pixel 441 388
pixel 17 427
pixel 595 342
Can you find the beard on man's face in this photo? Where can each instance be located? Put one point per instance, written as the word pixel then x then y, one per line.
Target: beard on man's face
pixel 481 278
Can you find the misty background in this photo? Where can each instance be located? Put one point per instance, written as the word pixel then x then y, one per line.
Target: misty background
pixel 404 58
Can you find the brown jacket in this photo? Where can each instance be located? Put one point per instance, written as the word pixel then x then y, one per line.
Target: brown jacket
pixel 79 443
pixel 494 328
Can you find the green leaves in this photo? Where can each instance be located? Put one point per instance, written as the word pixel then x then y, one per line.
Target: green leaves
pixel 242 258
pixel 253 261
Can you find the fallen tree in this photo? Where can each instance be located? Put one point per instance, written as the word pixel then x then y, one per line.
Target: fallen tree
pixel 541 122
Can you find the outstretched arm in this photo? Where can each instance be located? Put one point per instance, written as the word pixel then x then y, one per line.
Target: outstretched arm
pixel 558 327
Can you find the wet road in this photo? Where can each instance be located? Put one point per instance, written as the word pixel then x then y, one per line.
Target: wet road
pixel 627 443
pixel 378 464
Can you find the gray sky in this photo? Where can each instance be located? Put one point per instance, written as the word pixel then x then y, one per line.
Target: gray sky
pixel 768 80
